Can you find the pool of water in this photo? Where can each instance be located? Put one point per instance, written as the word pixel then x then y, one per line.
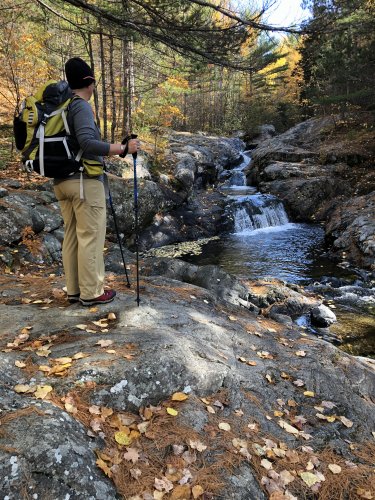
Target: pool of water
pixel 292 252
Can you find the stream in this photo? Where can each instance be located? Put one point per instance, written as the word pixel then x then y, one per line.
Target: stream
pixel 260 241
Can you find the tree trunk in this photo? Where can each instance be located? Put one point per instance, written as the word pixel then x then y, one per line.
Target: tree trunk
pixel 104 89
pixel 113 91
pixel 92 64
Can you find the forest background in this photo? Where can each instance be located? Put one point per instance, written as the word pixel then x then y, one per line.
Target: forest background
pixel 214 66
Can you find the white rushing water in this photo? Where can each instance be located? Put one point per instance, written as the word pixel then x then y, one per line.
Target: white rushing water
pixel 256 211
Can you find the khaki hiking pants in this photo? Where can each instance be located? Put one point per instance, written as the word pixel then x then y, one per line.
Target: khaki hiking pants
pixel 84 235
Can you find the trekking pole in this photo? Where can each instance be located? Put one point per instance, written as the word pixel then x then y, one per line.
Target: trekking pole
pixel 118 237
pixel 134 155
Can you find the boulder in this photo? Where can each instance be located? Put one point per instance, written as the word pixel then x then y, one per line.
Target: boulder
pixel 322 316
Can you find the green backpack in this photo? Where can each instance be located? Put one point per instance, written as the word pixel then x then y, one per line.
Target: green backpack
pixel 42 132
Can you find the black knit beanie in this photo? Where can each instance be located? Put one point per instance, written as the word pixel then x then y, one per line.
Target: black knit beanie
pixel 78 73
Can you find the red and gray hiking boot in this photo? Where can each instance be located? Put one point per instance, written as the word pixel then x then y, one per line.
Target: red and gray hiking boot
pixel 106 297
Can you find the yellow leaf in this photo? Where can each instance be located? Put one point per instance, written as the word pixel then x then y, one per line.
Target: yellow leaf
pixel 44 353
pixel 301 354
pixel 42 391
pixel 93 309
pixel 232 318
pixel 20 364
pixel 62 361
pixel 70 408
pixel 172 411
pixel 309 394
pixel 205 401
pixel 251 363
pixel 197 491
pixel 80 355
pixel 111 316
pixel 179 396
pixel 22 388
pixel 210 409
pixel 309 478
pixel 44 368
pixel 122 438
pixel 278 413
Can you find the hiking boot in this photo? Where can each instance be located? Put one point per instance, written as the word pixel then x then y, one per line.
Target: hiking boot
pixel 73 299
pixel 106 297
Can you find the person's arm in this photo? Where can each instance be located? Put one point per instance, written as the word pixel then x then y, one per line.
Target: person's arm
pixel 86 132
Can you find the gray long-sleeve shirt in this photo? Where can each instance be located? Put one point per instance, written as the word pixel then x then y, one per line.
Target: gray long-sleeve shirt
pixel 85 131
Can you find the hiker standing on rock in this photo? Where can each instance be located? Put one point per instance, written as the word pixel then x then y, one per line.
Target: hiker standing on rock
pixel 82 198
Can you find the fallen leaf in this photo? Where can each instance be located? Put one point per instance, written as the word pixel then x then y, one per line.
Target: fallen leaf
pixel 205 401
pixel 180 492
pixel 42 391
pixel 20 364
pixel 309 478
pixel 232 318
pixel 70 408
pixel 81 327
pixel 251 363
pixel 186 477
pixel 94 410
pixel 269 378
pixel 172 411
pixel 197 445
pixel 44 353
pixel 346 421
pixel 299 383
pixel 197 491
pixel 132 455
pixel 288 428
pixel 309 394
pixel 361 492
pixel 22 388
pixel 102 465
pixel 210 409
pixel 224 426
pixel 122 438
pixel 135 473
pixel 142 427
pixel 335 469
pixel 286 477
pixel 266 464
pixel 104 343
pixel 179 396
pixel 80 355
pixel 44 368
pixel 278 413
pixel 111 316
pixel 302 354
pixel 62 361
pixel 328 404
pixel 163 484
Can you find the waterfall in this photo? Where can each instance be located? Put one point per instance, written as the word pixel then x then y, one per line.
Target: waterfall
pixel 252 211
pixel 250 216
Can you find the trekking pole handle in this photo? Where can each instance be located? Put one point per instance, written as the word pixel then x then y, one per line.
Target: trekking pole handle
pixel 134 136
pixel 125 142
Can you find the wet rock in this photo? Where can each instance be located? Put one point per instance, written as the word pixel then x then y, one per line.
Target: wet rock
pixel 322 316
pixel 3 192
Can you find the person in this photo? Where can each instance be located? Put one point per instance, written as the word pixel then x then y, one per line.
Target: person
pixel 84 214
